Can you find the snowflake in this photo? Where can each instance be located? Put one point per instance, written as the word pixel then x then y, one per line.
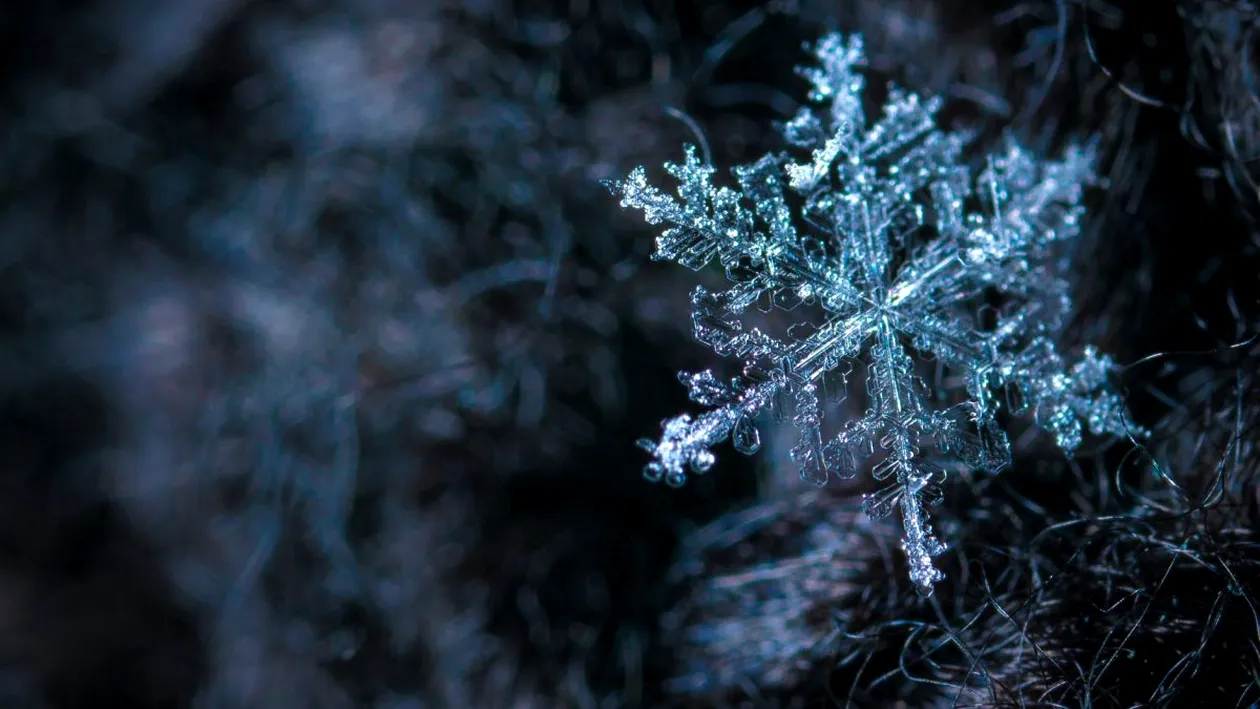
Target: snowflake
pixel 882 233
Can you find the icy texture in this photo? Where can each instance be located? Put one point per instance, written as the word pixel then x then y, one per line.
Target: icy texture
pixel 907 255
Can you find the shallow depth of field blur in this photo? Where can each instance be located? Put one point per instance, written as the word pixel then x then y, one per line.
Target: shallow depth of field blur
pixel 323 352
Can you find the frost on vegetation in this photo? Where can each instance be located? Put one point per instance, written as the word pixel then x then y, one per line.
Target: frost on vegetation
pixel 908 258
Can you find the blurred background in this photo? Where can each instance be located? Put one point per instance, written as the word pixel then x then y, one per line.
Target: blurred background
pixel 323 352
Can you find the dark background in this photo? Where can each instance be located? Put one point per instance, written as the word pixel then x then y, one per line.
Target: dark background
pixel 323 352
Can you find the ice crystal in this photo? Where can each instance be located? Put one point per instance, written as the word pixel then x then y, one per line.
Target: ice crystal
pixel 907 256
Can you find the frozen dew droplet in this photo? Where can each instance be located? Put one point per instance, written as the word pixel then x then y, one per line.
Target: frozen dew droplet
pixel 805 454
pixel 702 462
pixel 654 471
pixel 745 437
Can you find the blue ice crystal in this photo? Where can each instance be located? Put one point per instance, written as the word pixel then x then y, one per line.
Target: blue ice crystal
pixel 907 255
